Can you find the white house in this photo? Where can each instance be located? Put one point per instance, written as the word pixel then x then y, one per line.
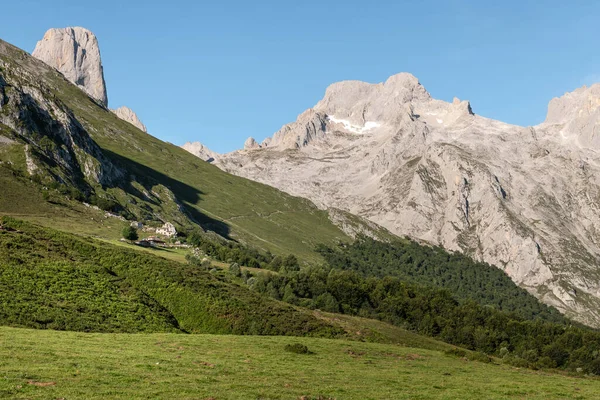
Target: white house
pixel 168 229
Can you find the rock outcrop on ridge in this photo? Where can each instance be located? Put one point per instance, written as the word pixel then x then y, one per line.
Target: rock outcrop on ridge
pixel 201 151
pixel 76 54
pixel 526 199
pixel 127 114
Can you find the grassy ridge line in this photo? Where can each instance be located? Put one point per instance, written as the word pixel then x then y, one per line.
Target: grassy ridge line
pixel 121 366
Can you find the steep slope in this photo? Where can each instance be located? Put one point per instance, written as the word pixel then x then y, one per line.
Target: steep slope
pixel 66 140
pixel 524 199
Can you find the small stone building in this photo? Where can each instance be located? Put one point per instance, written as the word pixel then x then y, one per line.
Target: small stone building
pixel 168 229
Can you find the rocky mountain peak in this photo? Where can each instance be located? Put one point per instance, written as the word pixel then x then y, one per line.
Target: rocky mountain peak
pixel 360 102
pixel 76 54
pixel 250 144
pixel 127 114
pixel 575 116
pixel 523 199
pixel 581 102
pixel 361 108
pixel 201 151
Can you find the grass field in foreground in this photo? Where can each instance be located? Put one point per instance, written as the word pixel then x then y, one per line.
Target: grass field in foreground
pixel 51 365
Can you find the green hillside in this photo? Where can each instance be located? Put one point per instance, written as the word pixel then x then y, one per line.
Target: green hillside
pixel 84 152
pixel 54 280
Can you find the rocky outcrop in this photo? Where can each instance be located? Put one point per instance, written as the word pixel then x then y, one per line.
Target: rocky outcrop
pixel 127 114
pixel 75 53
pixel 201 151
pixel 57 146
pixel 575 117
pixel 250 144
pixel 524 199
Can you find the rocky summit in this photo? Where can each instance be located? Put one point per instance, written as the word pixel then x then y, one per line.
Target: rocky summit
pixel 127 114
pixel 201 151
pixel 526 199
pixel 76 54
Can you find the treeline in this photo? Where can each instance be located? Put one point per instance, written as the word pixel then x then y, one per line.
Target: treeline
pixel 436 313
pixel 232 252
pixel 465 278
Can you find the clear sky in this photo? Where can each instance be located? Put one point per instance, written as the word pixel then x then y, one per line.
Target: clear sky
pixel 220 71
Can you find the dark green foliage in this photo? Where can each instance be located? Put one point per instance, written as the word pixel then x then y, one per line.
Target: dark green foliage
pixel 104 203
pixel 434 266
pixel 456 352
pixel 50 279
pixel 297 348
pixel 479 356
pixel 228 251
pixel 130 233
pixel 435 312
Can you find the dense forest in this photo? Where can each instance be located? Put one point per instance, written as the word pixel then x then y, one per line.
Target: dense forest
pixel 435 312
pixel 465 278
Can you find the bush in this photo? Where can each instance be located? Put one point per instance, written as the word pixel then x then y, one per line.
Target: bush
pixel 297 348
pixel 479 356
pixel 545 362
pixel 130 233
pixel 456 352
pixel 516 361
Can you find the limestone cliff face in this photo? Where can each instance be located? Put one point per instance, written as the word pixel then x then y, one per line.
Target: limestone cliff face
pixel 524 199
pixel 76 54
pixel 127 114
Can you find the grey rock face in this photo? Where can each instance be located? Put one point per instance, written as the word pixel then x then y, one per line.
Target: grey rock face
pixel 127 114
pixel 250 144
pixel 201 151
pixel 75 53
pixel 524 199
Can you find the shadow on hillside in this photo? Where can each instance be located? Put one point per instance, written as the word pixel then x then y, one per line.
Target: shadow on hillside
pixel 186 196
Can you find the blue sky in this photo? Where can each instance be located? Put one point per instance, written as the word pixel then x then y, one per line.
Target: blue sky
pixel 220 71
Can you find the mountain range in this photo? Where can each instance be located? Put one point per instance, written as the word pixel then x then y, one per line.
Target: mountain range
pixel 373 158
pixel 525 199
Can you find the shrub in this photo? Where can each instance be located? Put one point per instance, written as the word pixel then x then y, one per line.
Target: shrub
pixel 297 348
pixel 130 233
pixel 479 356
pixel 545 362
pixel 516 361
pixel 456 352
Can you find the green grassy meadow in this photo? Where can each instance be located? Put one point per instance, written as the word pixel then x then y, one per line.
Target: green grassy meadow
pixel 70 365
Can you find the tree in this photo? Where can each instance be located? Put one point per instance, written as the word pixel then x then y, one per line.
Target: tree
pixel 130 233
pixel 290 264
